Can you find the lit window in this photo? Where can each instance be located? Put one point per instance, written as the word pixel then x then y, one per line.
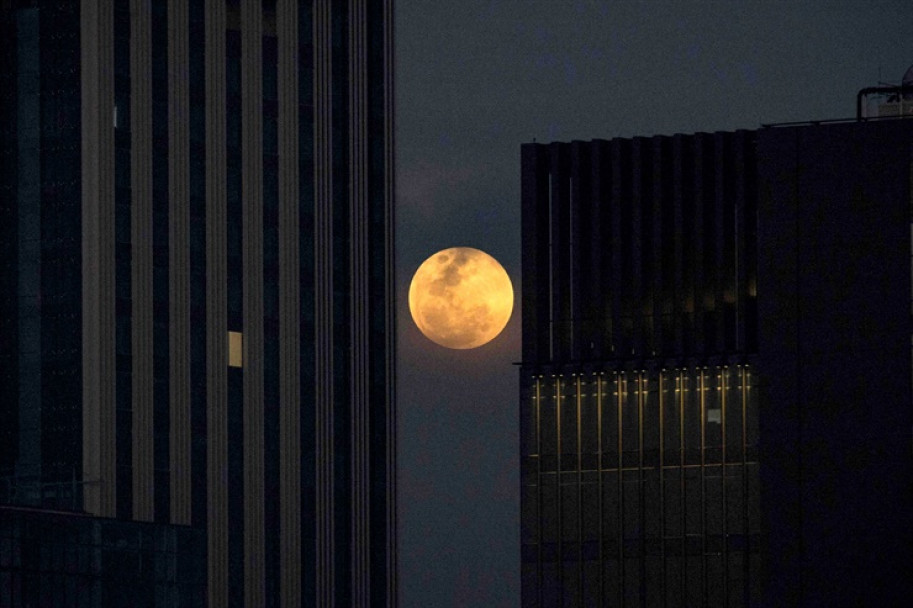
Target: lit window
pixel 235 342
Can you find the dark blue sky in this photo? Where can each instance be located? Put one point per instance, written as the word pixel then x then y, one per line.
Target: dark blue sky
pixel 475 79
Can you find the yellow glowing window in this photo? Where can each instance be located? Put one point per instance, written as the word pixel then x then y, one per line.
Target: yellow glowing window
pixel 235 342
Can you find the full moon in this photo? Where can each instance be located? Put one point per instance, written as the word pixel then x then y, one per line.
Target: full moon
pixel 461 298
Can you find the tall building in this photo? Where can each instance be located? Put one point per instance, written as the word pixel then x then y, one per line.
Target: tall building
pixel 702 315
pixel 638 401
pixel 196 289
pixel 834 308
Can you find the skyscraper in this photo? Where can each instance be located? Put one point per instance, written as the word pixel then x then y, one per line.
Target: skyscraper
pixel 702 315
pixel 834 301
pixel 197 278
pixel 638 403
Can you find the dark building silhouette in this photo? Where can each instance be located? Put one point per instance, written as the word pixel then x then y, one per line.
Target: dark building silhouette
pixel 196 285
pixel 702 315
pixel 834 304
pixel 62 559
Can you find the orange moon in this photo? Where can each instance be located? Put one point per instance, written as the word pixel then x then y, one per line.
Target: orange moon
pixel 461 298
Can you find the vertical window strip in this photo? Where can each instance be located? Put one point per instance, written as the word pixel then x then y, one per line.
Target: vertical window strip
pixel 307 291
pixel 234 304
pixel 251 153
pixel 198 260
pixel 123 262
pixel 22 273
pixel 160 256
pixel 271 392
pixel 342 283
pixel 11 256
pixel 179 441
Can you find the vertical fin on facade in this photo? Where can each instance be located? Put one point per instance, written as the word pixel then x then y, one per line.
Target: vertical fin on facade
pixel 289 309
pixel 141 238
pixel 179 260
pixel 390 309
pixel 359 272
pixel 216 308
pixel 323 296
pixel 98 320
pixel 252 264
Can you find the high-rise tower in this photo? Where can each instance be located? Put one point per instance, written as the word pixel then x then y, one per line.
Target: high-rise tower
pixel 715 393
pixel 196 291
pixel 637 400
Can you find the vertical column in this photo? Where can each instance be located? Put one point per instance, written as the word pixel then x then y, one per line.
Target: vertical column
pixel 656 293
pixel 179 259
pixel 535 225
pixel 323 296
pixel 620 382
pixel 359 273
pixel 743 191
pixel 97 95
pixel 539 493
pixel 580 226
pixel 677 245
pixel 141 238
pixel 289 309
pixel 721 269
pixel 216 309
pixel 306 328
pixel 22 250
pixel 161 364
pixel 560 252
pixel 750 241
pixel 661 405
pixel 557 524
pixel 392 596
pixel 723 389
pixel 702 297
pixel 663 247
pixel 11 254
pixel 702 392
pixel 682 477
pixel 252 265
pixel 600 466
pixel 638 225
pixel 598 235
pixel 620 268
pixel 123 272
pixel 198 323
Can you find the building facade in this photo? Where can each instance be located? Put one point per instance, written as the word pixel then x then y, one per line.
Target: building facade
pixel 638 405
pixel 702 315
pixel 67 560
pixel 196 298
pixel 834 220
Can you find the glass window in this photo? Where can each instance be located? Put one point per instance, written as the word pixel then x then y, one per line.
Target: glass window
pixel 691 415
pixel 235 344
pixel 567 408
pixel 629 386
pixel 609 400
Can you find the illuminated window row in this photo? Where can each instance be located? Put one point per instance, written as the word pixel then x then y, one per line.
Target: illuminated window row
pixel 641 480
pixel 674 418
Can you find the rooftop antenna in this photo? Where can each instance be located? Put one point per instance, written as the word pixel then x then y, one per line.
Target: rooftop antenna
pixel 897 94
pixel 884 83
pixel 907 81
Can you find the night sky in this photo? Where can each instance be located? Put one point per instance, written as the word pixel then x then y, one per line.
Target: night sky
pixel 475 80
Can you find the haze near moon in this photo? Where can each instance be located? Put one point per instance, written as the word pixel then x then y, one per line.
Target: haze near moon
pixel 461 298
